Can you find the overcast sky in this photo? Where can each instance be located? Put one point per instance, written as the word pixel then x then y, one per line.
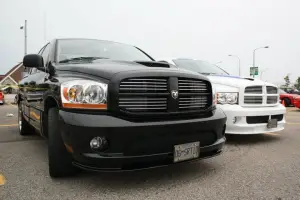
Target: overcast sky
pixel 203 29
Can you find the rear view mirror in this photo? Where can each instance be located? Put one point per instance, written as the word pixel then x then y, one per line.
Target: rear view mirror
pixel 33 60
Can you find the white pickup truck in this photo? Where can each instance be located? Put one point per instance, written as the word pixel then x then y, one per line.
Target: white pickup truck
pixel 252 106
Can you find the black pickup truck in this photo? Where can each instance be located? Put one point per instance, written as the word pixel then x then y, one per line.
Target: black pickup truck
pixel 108 106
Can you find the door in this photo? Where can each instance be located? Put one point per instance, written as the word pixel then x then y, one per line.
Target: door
pixel 37 96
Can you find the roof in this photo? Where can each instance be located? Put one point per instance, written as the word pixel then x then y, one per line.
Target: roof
pixel 12 70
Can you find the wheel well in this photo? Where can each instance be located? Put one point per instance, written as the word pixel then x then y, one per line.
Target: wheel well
pixel 50 102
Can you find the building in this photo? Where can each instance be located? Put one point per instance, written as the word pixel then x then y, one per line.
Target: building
pixel 10 80
pixel 13 76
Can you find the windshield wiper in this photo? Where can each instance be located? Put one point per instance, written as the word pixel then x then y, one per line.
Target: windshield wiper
pixel 81 59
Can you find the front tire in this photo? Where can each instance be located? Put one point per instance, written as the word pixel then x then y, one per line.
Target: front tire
pixel 24 126
pixel 60 160
pixel 287 102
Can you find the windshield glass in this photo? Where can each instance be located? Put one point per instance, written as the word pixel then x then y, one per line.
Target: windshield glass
pixel 199 66
pixel 281 91
pixel 81 48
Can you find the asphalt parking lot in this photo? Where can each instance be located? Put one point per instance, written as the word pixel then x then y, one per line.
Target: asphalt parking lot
pixel 251 167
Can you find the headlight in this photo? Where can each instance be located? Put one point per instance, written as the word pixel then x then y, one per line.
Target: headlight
pixel 214 96
pixel 227 98
pixel 84 94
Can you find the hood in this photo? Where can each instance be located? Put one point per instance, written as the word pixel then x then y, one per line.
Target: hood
pixel 235 81
pixel 108 68
pixel 290 95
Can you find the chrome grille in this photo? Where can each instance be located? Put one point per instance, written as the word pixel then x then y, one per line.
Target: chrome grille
pixel 193 94
pixel 254 90
pixel 144 85
pixel 271 90
pixel 253 100
pixel 193 102
pixel 144 94
pixel 272 99
pixel 190 85
pixel 150 104
pixel 153 95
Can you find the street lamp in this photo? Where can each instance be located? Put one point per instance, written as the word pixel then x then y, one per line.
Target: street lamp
pixel 218 62
pixel 265 47
pixel 25 36
pixel 239 62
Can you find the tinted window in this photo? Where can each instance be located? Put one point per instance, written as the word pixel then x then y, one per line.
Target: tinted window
pixel 45 53
pixel 68 49
pixel 33 70
pixel 199 66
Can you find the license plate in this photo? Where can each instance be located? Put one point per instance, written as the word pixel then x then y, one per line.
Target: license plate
pixel 272 123
pixel 186 151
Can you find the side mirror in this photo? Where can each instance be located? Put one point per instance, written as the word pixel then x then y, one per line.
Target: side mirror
pixel 33 60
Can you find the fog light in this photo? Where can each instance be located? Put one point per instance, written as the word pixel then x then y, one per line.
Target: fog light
pixel 99 143
pixel 234 120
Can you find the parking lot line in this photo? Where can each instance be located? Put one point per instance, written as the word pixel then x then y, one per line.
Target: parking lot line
pixel 2 180
pixel 8 125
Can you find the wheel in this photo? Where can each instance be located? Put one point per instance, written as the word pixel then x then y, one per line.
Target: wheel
pixel 287 102
pixel 16 99
pixel 60 160
pixel 24 126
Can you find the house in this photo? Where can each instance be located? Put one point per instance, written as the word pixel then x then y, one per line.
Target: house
pixel 13 76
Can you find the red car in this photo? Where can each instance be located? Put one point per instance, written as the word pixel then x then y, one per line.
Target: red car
pixel 297 102
pixel 288 98
pixel 1 98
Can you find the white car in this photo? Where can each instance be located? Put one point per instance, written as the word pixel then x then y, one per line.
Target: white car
pixel 252 106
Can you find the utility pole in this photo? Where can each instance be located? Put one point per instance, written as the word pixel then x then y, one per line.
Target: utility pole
pixel 25 36
pixel 265 47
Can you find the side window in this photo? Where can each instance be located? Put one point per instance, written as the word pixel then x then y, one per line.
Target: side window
pixel 45 54
pixel 35 70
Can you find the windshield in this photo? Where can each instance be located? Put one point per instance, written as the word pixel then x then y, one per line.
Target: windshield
pixel 199 66
pixel 89 48
pixel 281 91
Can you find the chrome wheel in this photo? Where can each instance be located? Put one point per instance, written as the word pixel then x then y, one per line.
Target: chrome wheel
pixel 20 120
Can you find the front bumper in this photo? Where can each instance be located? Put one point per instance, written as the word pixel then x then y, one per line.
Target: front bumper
pixel 137 145
pixel 297 103
pixel 241 113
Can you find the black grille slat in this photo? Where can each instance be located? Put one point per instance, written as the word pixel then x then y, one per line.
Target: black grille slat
pixel 254 90
pixel 271 90
pixel 278 117
pixel 253 100
pixel 257 119
pixel 262 119
pixel 272 100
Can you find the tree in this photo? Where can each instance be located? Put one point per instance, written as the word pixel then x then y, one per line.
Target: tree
pixel 297 83
pixel 287 81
